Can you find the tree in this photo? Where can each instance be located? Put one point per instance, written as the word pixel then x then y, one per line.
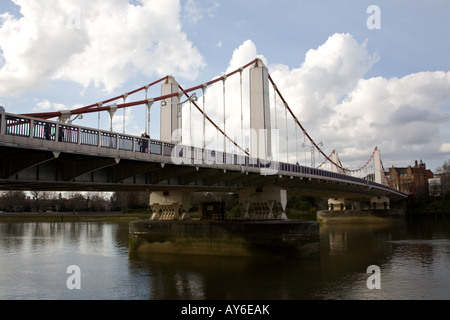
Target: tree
pixel 13 201
pixel 122 199
pixel 98 201
pixel 444 173
pixel 76 202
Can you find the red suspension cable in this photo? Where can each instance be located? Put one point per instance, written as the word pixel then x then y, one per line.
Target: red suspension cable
pixel 87 109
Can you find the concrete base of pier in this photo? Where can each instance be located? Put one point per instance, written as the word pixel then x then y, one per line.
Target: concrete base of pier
pixel 361 216
pixel 294 238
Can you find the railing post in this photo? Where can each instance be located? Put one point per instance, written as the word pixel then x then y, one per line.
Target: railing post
pixel 2 122
pixel 57 132
pixel 32 125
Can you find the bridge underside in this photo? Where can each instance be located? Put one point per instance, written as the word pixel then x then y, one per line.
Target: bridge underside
pixel 41 169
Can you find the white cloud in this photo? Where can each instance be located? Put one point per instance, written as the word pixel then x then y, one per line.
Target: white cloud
pixel 402 116
pixel 195 10
pixel 112 41
pixel 46 105
pixel 398 112
pixel 445 148
pixel 327 74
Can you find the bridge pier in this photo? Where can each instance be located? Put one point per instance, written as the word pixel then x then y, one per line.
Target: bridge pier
pixel 379 203
pixel 169 205
pixel 375 203
pixel 336 204
pixel 263 201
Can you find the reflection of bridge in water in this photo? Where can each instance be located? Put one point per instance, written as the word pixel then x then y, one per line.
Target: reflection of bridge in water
pixel 40 154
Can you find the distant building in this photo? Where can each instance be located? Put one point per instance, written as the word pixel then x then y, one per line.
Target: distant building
pixel 410 180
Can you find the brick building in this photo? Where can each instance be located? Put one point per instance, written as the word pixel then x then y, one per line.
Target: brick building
pixel 410 180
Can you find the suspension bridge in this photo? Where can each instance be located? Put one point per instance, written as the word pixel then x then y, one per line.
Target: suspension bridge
pixel 236 139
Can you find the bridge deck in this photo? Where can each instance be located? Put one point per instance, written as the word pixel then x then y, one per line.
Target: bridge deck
pixel 47 155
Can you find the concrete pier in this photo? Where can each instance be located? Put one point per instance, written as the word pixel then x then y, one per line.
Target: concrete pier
pixel 293 238
pixel 361 216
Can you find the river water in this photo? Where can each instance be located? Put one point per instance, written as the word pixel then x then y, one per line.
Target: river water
pixel 413 260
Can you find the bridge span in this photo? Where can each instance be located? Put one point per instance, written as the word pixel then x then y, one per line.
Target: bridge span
pixel 38 154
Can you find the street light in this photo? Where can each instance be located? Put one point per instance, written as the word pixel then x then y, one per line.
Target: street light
pixel 179 105
pixel 79 116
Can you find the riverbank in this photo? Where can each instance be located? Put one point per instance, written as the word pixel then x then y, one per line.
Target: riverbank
pixel 71 217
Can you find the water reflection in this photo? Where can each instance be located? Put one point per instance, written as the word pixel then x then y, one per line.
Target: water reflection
pixel 46 237
pixel 218 278
pixel 414 259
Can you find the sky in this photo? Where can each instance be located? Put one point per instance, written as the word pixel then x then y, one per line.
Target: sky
pixel 357 74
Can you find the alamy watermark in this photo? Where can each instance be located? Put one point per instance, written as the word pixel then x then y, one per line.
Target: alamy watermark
pixel 374 280
pixel 73 21
pixel 74 280
pixel 374 20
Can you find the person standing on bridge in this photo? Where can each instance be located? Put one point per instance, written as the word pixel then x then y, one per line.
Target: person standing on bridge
pixel 47 131
pixel 144 142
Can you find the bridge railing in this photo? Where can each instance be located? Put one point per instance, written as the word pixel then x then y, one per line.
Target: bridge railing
pixel 68 134
pixel 16 126
pixel 21 126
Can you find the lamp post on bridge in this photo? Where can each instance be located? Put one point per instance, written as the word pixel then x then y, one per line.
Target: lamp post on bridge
pixel 192 98
pixel 78 116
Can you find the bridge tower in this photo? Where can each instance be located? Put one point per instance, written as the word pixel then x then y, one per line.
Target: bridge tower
pixel 171 205
pixel 377 166
pixel 335 203
pixel 170 112
pixel 379 202
pixel 335 159
pixel 260 125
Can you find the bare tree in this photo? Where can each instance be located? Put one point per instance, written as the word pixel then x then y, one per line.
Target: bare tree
pixel 13 201
pixel 445 177
pixel 76 202
pixel 98 201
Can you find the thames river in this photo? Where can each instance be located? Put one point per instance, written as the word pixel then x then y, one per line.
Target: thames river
pixel 91 261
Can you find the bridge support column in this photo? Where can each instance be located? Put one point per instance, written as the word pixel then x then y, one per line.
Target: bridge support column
pixel 336 204
pixel 170 112
pixel 260 125
pixel 379 203
pixel 335 159
pixel 244 202
pixel 377 166
pixel 263 202
pixel 172 205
